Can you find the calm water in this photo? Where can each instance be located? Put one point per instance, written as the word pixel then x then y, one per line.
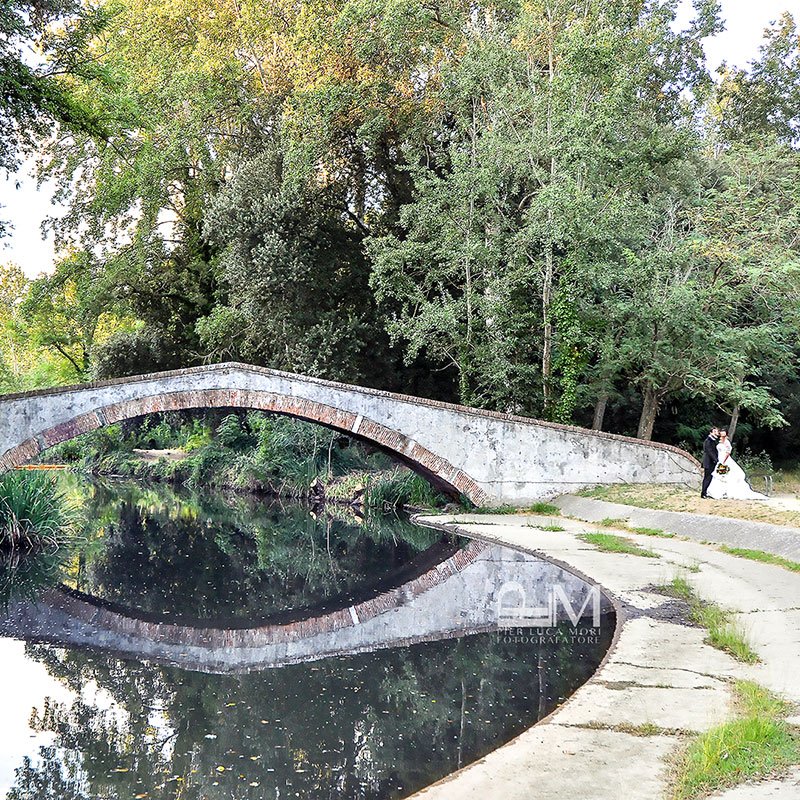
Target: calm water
pixel 241 560
pixel 83 723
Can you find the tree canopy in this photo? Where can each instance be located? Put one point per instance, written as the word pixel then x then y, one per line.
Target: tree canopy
pixel 546 207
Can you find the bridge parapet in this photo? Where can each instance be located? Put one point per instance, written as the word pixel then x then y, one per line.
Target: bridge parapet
pixel 490 457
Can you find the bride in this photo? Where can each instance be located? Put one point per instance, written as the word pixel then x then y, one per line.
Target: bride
pixel 731 484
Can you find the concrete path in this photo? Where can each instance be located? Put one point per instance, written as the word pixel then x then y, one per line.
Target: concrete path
pixel 618 733
pixel 777 539
pixel 786 789
pixel 783 502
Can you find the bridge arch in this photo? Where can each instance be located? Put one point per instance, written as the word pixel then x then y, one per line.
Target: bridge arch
pixel 434 468
pixel 490 457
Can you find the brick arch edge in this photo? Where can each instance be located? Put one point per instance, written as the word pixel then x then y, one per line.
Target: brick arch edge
pixel 409 451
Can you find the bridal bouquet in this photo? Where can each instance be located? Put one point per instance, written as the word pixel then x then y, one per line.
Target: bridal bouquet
pixel 723 469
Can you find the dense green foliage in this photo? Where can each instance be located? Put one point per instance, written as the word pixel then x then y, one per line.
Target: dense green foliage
pixel 31 96
pixel 543 208
pixel 251 452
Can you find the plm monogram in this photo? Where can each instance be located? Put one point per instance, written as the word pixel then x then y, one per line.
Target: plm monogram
pixel 513 610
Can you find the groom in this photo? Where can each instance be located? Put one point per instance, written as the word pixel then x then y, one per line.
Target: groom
pixel 710 459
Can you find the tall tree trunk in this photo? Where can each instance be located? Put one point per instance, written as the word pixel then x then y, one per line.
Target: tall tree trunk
pixel 647 420
pixel 547 333
pixel 549 267
pixel 464 392
pixel 600 411
pixel 734 421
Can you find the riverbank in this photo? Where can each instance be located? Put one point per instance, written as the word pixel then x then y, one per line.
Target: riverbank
pixel 781 508
pixel 742 534
pixel 390 488
pixel 252 454
pixel 662 686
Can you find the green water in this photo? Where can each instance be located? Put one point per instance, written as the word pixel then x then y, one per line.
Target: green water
pixel 236 559
pixel 84 724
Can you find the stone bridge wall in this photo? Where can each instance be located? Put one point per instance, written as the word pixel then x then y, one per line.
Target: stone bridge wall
pixel 492 458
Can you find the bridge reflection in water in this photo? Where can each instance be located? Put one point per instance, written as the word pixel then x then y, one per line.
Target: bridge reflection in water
pixel 382 687
pixel 458 596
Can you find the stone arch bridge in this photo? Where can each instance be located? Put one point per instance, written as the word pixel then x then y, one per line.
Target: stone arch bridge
pixel 491 458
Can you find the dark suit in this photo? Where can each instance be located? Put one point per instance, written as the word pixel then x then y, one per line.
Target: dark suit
pixel 710 459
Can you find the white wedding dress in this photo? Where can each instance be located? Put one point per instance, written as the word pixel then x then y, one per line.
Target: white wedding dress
pixel 734 485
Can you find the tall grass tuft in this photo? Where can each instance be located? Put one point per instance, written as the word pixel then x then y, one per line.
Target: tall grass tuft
pixel 33 514
pixel 757 743
pixel 724 632
pixel 401 488
pixel 37 531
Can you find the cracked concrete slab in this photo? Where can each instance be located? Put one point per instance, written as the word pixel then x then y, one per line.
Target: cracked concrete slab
pixel 620 672
pixel 775 636
pixel 787 788
pixel 661 675
pixel 662 706
pixel 650 643
pixel 559 761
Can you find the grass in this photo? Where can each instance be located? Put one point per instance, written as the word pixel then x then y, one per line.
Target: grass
pixel 551 528
pixel 613 522
pixel 723 632
pixel 609 543
pixel 760 555
pixel 757 743
pixel 647 729
pixel 653 532
pixel 544 508
pixel 537 508
pixel 33 514
pixel 671 497
pixel 37 530
pixel 787 481
pixel 621 522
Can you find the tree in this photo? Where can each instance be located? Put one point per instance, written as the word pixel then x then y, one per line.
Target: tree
pixel 67 313
pixel 554 124
pixel 32 97
pixel 13 288
pixel 174 102
pixel 296 282
pixel 763 99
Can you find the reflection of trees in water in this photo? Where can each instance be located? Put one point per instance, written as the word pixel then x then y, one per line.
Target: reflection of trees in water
pixel 371 726
pixel 208 557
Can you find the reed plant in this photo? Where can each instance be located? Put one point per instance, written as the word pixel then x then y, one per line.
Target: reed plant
pixel 37 533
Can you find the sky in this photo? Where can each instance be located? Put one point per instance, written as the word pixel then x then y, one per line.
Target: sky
pixel 25 207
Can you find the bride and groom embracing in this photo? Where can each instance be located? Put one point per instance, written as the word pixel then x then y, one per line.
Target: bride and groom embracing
pixel 723 478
